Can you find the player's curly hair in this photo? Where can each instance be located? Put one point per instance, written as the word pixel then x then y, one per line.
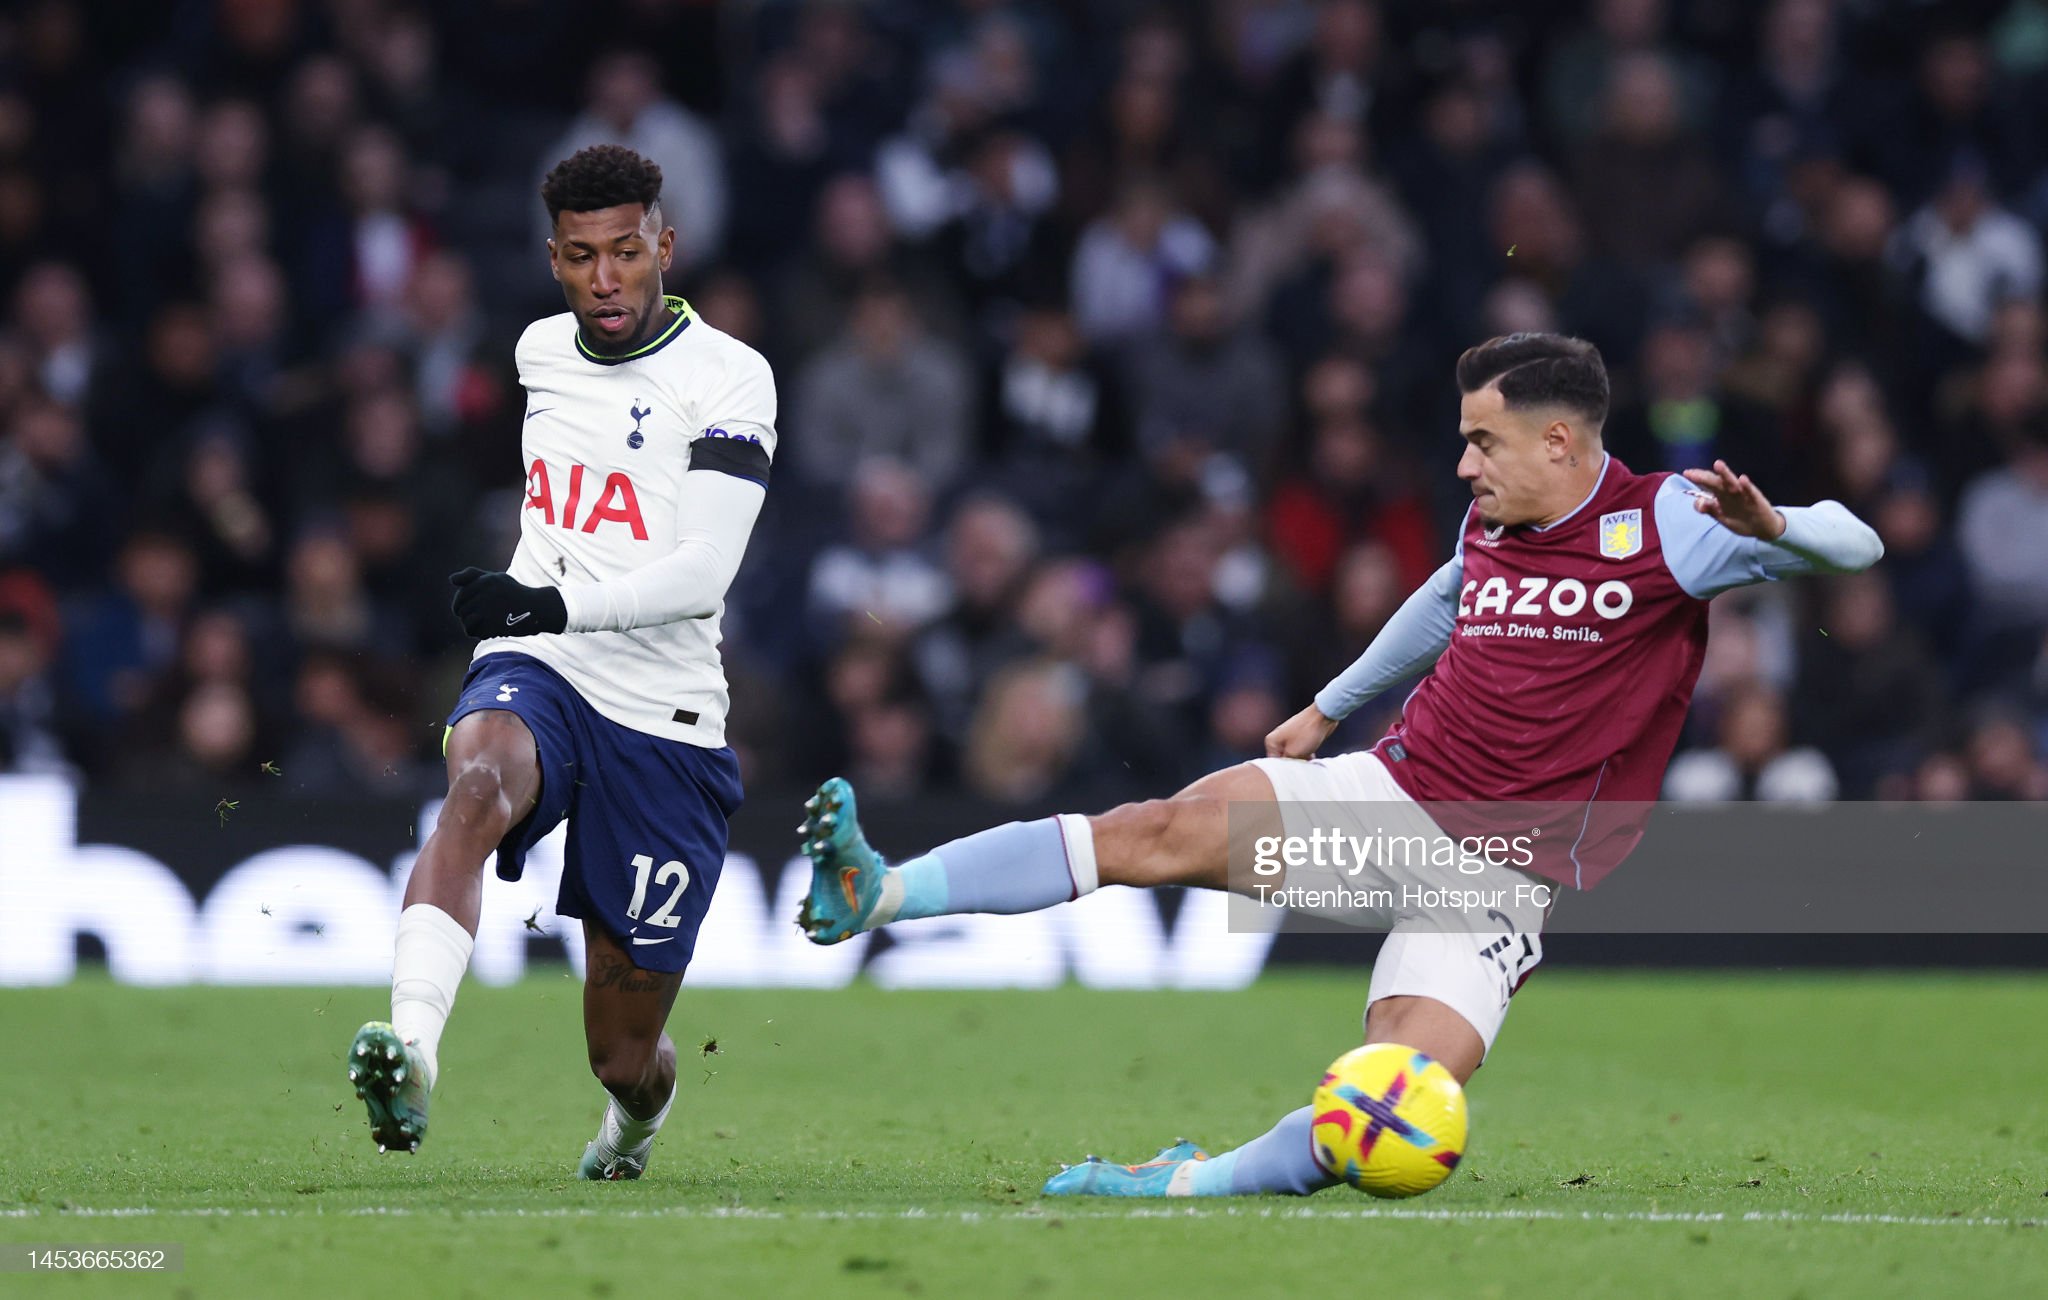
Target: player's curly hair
pixel 602 176
pixel 1540 370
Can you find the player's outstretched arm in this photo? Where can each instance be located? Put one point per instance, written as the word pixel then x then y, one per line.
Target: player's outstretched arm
pixel 718 511
pixel 1409 643
pixel 688 582
pixel 1726 533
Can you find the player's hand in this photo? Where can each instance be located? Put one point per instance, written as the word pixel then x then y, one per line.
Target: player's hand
pixel 1301 735
pixel 497 604
pixel 1738 503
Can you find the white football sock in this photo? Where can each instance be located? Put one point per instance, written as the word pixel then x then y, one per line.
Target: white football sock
pixel 622 1133
pixel 432 952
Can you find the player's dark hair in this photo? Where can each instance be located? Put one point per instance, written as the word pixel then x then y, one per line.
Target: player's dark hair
pixel 602 176
pixel 1540 370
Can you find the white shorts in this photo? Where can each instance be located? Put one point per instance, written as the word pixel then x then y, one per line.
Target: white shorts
pixel 1471 958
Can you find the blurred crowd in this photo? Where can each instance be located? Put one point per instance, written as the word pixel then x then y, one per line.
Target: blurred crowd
pixel 1114 345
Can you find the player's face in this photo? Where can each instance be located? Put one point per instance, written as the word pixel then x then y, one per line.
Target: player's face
pixel 609 263
pixel 1513 459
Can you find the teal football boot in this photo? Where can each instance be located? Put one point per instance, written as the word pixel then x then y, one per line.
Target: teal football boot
pixel 602 1165
pixel 846 875
pixel 389 1079
pixel 1095 1176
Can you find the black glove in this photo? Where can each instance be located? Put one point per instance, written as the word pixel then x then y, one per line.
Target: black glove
pixel 497 604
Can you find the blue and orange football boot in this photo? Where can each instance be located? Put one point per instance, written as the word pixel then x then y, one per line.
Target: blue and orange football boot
pixel 846 874
pixel 1163 1175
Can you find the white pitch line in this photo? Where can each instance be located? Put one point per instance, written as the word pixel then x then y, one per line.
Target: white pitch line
pixel 979 1216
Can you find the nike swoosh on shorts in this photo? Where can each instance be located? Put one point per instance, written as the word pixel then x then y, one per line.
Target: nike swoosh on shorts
pixel 513 620
pixel 637 941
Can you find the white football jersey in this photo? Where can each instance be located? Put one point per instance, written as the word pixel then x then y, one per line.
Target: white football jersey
pixel 606 442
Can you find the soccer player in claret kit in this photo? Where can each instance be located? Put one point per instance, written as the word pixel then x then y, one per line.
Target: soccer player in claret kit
pixel 1561 643
pixel 595 693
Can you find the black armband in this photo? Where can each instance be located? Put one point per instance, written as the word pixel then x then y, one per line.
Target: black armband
pixel 739 457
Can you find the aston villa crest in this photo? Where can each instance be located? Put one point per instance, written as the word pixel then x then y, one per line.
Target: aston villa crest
pixel 1621 534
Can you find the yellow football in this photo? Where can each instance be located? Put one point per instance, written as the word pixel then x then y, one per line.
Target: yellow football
pixel 1389 1120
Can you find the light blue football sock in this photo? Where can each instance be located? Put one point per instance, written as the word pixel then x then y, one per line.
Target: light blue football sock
pixel 1214 1176
pixel 1017 867
pixel 1279 1160
pixel 924 887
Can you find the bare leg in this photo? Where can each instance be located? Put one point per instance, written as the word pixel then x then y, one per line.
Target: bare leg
pixel 1430 1027
pixel 493 782
pixel 625 1010
pixel 1184 840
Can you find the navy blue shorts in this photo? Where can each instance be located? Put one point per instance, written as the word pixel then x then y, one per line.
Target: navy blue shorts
pixel 647 816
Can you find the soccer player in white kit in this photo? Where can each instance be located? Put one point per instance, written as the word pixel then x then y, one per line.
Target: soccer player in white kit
pixel 595 694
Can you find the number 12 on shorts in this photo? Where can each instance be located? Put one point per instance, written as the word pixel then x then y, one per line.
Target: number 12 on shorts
pixel 665 915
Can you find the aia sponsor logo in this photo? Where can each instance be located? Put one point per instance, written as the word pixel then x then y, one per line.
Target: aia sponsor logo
pixel 615 503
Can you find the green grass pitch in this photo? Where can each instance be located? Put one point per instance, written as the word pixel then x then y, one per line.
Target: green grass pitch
pixel 1635 1135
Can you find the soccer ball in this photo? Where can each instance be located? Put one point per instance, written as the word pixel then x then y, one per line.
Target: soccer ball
pixel 1389 1120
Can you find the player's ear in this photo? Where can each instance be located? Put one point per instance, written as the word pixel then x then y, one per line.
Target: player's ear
pixel 554 263
pixel 665 247
pixel 1557 439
